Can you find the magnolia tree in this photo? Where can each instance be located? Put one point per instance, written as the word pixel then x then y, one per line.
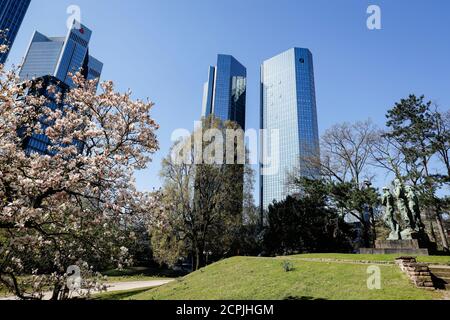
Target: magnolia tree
pixel 68 212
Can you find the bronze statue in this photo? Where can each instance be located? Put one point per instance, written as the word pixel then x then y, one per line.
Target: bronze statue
pixel 404 201
pixel 389 216
pixel 414 208
pixel 402 206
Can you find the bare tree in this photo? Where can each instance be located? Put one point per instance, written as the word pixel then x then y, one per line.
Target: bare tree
pixel 345 164
pixel 441 140
pixel 204 204
pixel 346 150
pixel 386 154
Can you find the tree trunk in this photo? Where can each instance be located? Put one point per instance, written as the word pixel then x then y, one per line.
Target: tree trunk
pixel 199 257
pixel 197 260
pixel 367 235
pixel 442 232
pixel 56 292
pixel 433 233
pixel 366 230
pixel 374 227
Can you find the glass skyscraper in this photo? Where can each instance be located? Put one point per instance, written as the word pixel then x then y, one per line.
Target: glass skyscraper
pixel 59 56
pixel 12 13
pixel 51 59
pixel 225 91
pixel 288 104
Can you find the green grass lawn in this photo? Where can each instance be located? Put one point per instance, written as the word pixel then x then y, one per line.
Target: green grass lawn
pixel 369 257
pixel 265 278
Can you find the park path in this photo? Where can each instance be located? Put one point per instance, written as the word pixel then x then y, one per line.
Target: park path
pixel 113 287
pixel 345 261
pixel 447 295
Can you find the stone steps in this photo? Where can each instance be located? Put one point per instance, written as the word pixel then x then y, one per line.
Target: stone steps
pixel 440 271
pixel 440 284
pixel 441 276
pixel 442 280
pixel 446 280
pixel 418 273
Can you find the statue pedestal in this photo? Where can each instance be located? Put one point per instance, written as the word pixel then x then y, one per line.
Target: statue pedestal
pixel 397 244
pixel 400 247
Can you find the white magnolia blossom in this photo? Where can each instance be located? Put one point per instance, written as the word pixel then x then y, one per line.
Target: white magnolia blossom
pixel 72 208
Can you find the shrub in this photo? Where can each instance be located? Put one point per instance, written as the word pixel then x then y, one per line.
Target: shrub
pixel 288 266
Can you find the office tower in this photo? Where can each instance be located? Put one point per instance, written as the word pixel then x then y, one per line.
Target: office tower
pixel 288 104
pixel 12 13
pixel 39 142
pixel 59 56
pixel 225 98
pixel 225 92
pixel 51 60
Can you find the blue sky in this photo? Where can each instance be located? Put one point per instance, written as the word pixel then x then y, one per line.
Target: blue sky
pixel 161 49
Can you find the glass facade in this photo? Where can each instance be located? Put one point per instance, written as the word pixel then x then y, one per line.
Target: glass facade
pixel 59 56
pixel 94 68
pixel 52 59
pixel 225 92
pixel 288 104
pixel 12 13
pixel 75 52
pixel 42 56
pixel 208 93
pixel 39 143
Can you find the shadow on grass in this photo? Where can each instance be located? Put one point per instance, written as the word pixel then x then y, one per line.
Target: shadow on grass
pixel 144 271
pixel 293 298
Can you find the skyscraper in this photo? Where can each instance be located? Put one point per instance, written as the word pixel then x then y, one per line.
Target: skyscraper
pixel 12 13
pixel 59 56
pixel 51 59
pixel 288 104
pixel 225 91
pixel 225 97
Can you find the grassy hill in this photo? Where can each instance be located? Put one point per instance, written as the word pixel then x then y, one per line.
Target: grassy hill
pixel 335 277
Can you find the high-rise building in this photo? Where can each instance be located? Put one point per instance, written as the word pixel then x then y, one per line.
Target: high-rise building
pixel 60 56
pixel 288 104
pixel 12 13
pixel 39 142
pixel 224 97
pixel 51 60
pixel 225 92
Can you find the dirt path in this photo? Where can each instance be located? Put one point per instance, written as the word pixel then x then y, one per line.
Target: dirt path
pixel 446 295
pixel 391 263
pixel 114 286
